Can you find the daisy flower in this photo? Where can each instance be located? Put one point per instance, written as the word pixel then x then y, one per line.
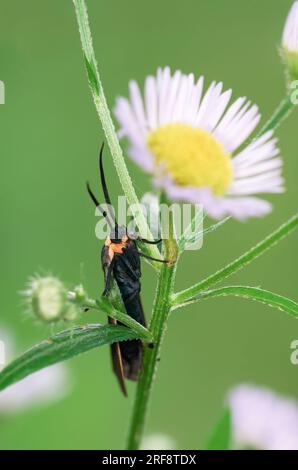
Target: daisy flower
pixel 262 419
pixel 192 144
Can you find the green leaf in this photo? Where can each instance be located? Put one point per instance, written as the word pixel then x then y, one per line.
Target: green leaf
pixel 255 293
pixel 62 346
pixel 92 77
pixel 282 112
pixel 214 227
pixel 188 234
pixel 237 264
pixel 220 438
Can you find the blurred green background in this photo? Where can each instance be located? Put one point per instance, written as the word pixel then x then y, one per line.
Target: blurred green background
pixel 50 135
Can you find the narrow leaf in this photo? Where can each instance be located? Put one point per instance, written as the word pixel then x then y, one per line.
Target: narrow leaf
pixel 255 293
pixel 108 125
pixel 238 263
pixel 91 72
pixel 62 346
pixel 220 438
pixel 190 234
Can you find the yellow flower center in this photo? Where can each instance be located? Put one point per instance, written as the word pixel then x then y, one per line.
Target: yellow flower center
pixel 192 157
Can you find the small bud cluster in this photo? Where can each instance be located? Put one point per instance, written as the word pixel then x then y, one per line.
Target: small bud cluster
pixel 48 300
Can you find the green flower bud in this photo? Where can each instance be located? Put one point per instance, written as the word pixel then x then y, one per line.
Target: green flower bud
pixel 290 43
pixel 47 299
pixel 78 294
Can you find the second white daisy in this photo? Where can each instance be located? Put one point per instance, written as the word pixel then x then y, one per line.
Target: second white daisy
pixel 189 141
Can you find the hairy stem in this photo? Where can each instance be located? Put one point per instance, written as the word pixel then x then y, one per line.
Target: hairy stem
pixel 108 125
pixel 105 306
pixel 281 113
pixel 161 310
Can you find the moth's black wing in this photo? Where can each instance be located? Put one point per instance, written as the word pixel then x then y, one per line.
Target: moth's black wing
pixel 127 273
pixel 117 361
pixel 115 347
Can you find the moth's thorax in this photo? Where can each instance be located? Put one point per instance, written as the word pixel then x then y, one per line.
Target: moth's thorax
pixel 116 247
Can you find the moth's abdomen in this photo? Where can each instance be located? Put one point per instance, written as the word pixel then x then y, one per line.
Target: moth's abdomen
pixel 132 358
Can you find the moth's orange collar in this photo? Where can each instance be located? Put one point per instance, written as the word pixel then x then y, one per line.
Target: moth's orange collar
pixel 116 247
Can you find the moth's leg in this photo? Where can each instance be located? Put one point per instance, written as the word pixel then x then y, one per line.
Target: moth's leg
pixel 108 278
pixel 150 242
pixel 152 259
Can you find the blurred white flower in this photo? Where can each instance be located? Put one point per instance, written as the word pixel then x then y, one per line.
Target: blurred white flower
pixel 262 419
pixel 191 142
pixel 290 42
pixel 158 442
pixel 41 388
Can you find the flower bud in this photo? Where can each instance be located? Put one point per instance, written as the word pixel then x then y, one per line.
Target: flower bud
pixel 77 294
pixel 290 43
pixel 150 203
pixel 47 299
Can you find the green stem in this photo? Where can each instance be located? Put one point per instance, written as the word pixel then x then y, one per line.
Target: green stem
pixel 161 310
pixel 239 263
pixel 105 306
pixel 108 125
pixel 281 112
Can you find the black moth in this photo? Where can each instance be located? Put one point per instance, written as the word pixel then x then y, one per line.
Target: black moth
pixel 120 260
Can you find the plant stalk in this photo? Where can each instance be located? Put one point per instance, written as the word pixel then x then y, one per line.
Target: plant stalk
pixel 161 310
pixel 108 125
pixel 281 113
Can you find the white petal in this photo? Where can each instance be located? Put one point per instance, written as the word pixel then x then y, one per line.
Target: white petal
pixel 127 119
pixel 205 104
pixel 243 172
pixel 216 207
pixel 178 110
pixel 231 117
pixel 138 106
pixel 242 126
pixel 142 157
pixel 259 150
pixel 195 100
pixel 163 95
pixel 172 96
pixel 151 102
pixel 220 107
